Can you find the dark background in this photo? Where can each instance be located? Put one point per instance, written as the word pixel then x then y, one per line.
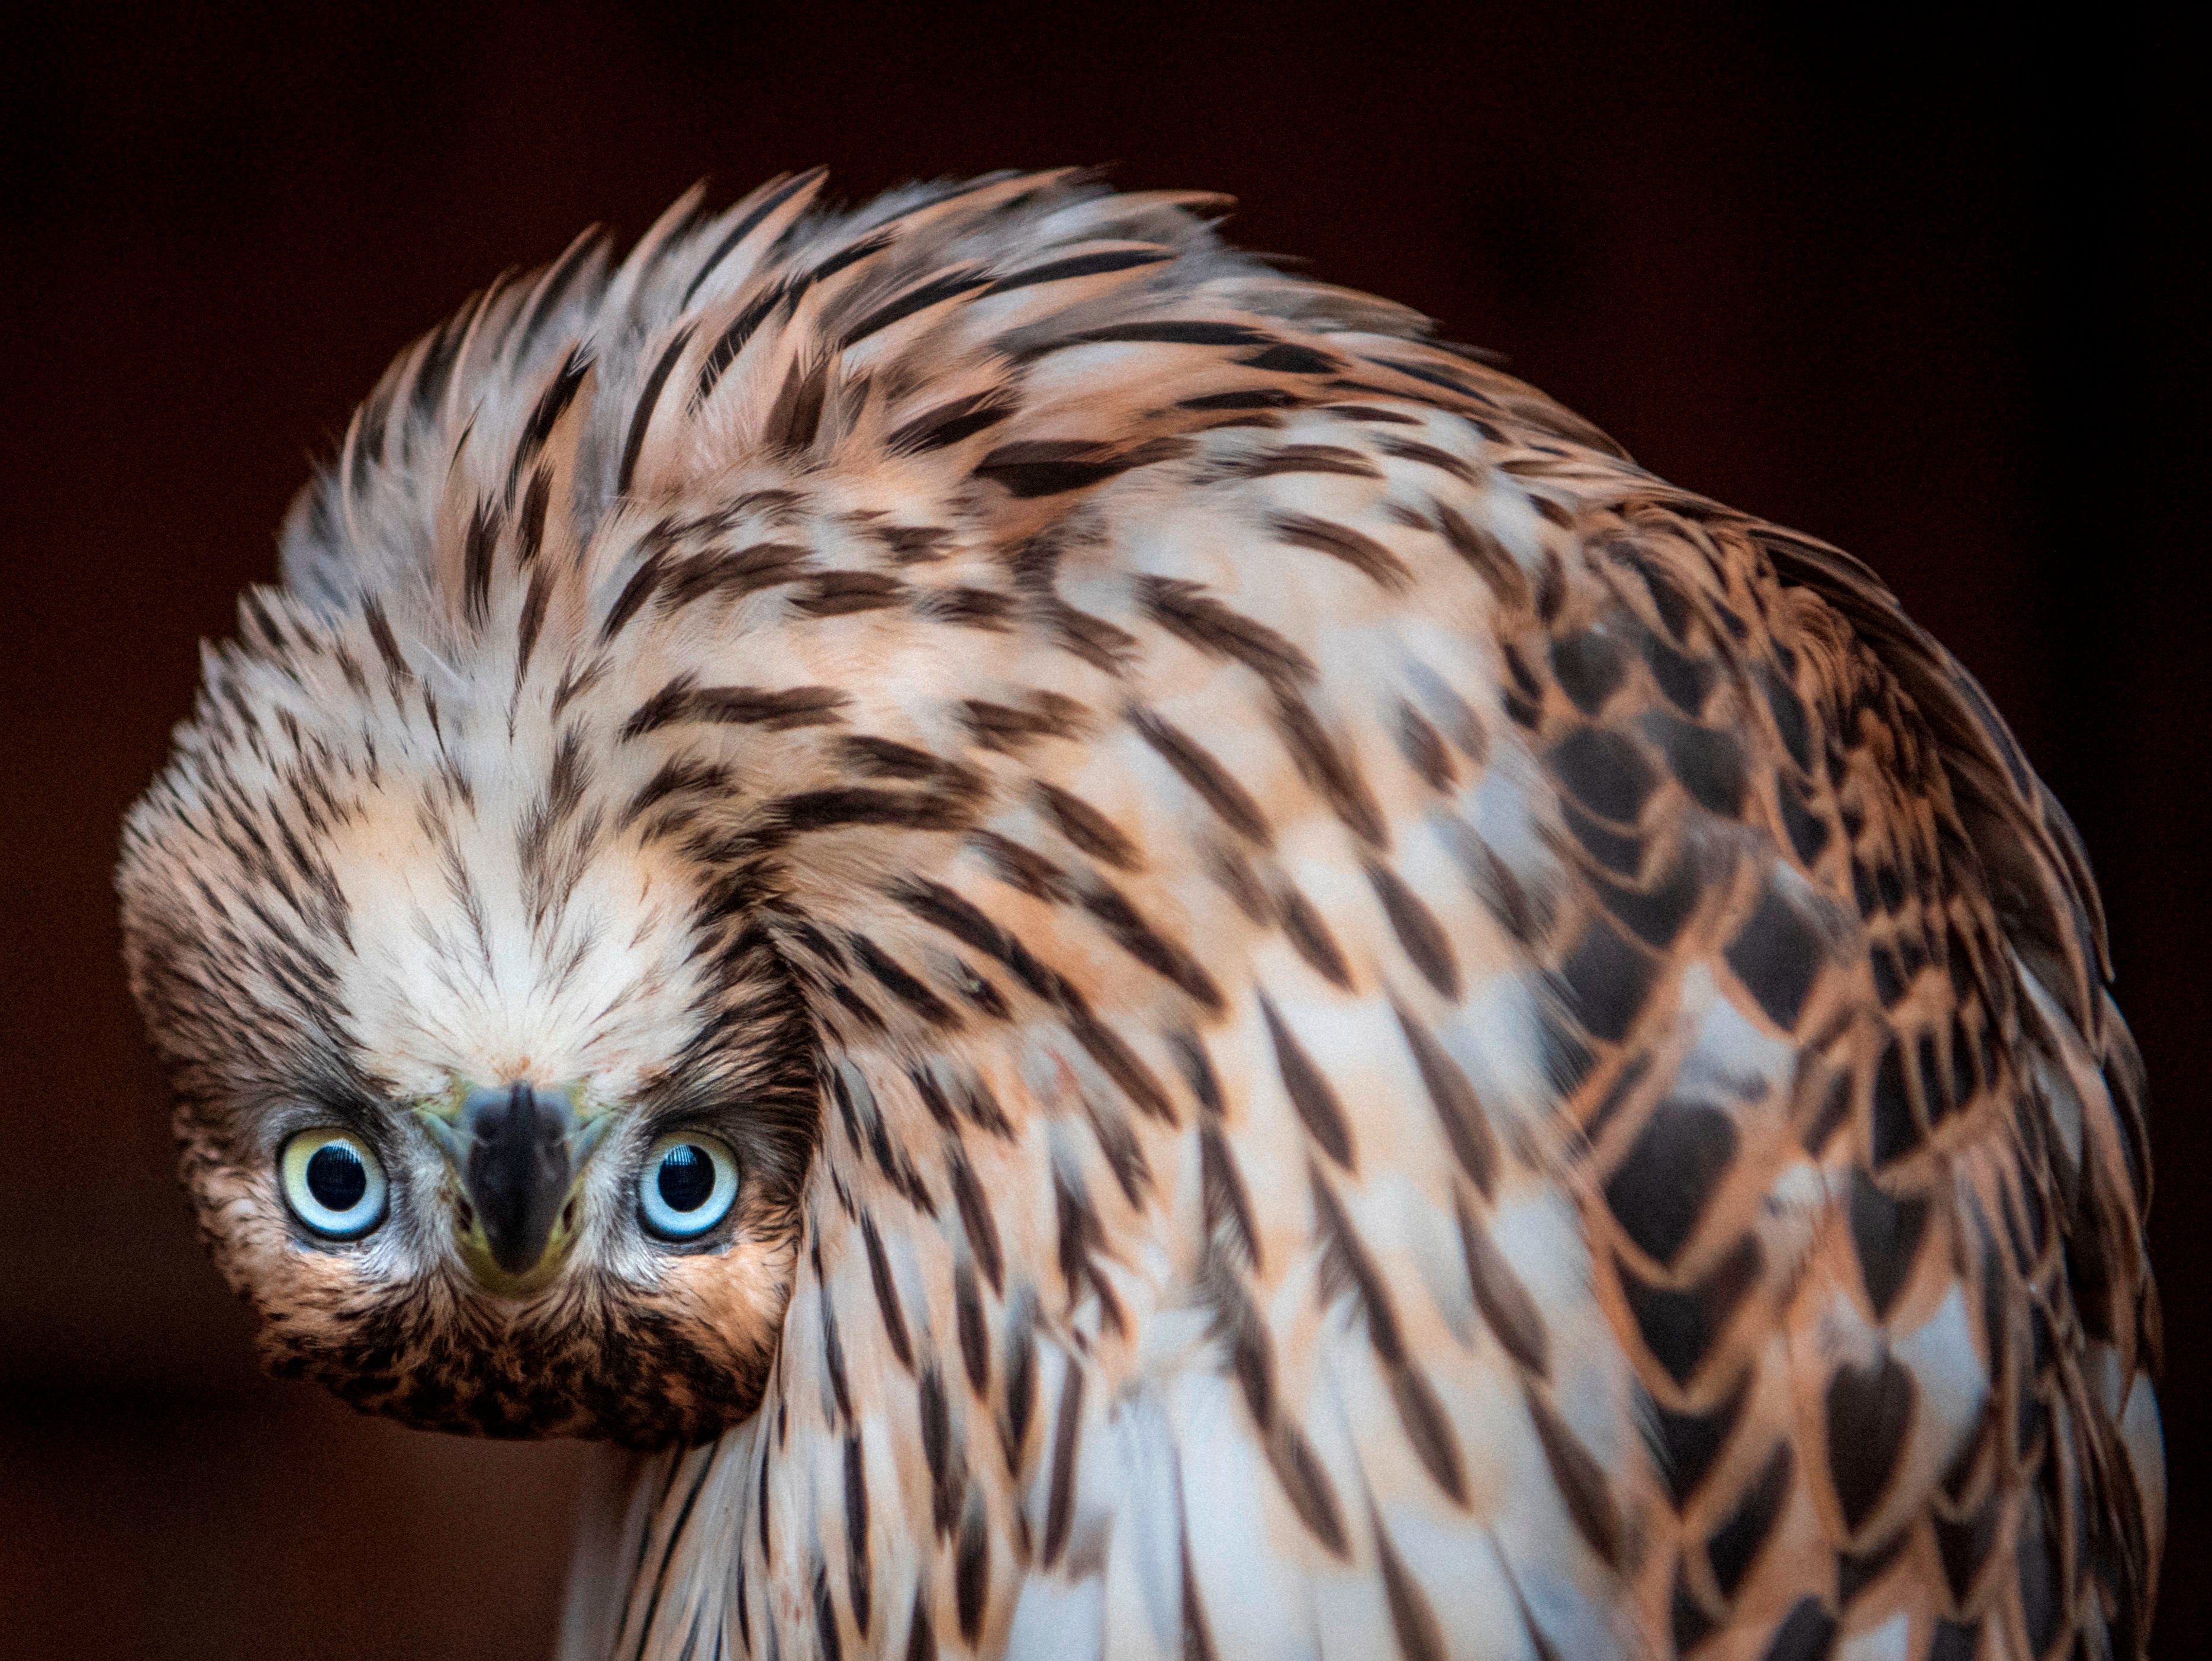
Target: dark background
pixel 1924 291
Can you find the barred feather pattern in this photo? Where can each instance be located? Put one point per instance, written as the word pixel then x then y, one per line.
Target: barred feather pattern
pixel 1406 1040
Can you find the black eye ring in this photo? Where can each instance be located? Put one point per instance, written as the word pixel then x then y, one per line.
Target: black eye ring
pixel 687 1185
pixel 333 1181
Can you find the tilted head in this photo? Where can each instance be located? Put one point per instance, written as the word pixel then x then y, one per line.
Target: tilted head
pixel 486 1107
pixel 472 916
pixel 493 1101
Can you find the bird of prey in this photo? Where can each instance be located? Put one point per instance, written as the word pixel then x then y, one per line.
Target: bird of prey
pixel 1131 962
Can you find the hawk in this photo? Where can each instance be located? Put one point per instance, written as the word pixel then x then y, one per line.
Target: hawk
pixel 1132 961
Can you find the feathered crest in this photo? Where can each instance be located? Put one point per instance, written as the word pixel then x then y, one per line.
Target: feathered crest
pixel 916 325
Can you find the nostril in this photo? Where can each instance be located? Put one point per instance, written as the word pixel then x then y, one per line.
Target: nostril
pixel 465 1216
pixel 568 1218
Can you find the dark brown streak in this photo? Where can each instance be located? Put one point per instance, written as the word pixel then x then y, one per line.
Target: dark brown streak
pixel 1059 1500
pixel 1506 1307
pixel 1306 1484
pixel 833 1359
pixel 971 1573
pixel 1250 398
pixel 649 396
pixel 825 1615
pixel 1043 467
pixel 1141 941
pixel 968 607
pixel 975 1345
pixel 564 790
pixel 554 285
pixel 559 393
pixel 1424 747
pixel 1007 729
pixel 1087 828
pixel 396 666
pixel 1329 771
pixel 1307 459
pixel 1103 645
pixel 1363 553
pixel 478 550
pixel 1348 1259
pixel 1422 1417
pixel 1406 449
pixel 834 810
pixel 1024 867
pixel 1418 930
pixel 777 709
pixel 947 285
pixel 1432 375
pixel 795 419
pixel 650 572
pixel 677 1531
pixel 1212 783
pixel 947 1480
pixel 723 573
pixel 1467 1128
pixel 1369 412
pixel 976 1218
pixel 901 984
pixel 879 1274
pixel 1419 1638
pixel 733 338
pixel 1308 1091
pixel 1223 1194
pixel 1187 611
pixel 746 227
pixel 915 544
pixel 1488 556
pixel 1303 927
pixel 1116 1060
pixel 949 423
pixel 839 593
pixel 1171 331
pixel 576 680
pixel 943 909
pixel 1197 1071
pixel 533 620
pixel 680 775
pixel 1580 1481
pixel 921 1634
pixel 887 758
pixel 1100 264
pixel 856 1531
pixel 1021 1380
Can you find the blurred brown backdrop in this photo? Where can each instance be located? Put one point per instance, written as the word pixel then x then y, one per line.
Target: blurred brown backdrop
pixel 1926 292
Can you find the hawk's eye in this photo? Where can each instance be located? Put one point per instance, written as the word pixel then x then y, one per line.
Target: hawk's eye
pixel 687 1186
pixel 333 1183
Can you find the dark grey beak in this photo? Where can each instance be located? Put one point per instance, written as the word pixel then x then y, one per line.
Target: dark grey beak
pixel 518 1169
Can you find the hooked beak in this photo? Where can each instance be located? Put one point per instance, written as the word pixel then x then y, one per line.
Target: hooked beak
pixel 519 1154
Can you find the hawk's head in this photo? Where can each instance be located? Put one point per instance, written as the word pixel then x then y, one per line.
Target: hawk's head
pixel 493 1113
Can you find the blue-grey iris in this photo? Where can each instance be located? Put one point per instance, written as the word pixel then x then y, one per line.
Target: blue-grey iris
pixel 333 1181
pixel 688 1184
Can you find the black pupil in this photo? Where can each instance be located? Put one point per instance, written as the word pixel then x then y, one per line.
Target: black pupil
pixel 687 1177
pixel 337 1178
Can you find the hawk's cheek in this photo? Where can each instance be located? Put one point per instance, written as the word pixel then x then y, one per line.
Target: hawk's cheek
pixel 735 1299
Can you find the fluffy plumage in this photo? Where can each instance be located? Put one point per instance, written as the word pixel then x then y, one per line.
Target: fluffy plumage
pixel 1352 1027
